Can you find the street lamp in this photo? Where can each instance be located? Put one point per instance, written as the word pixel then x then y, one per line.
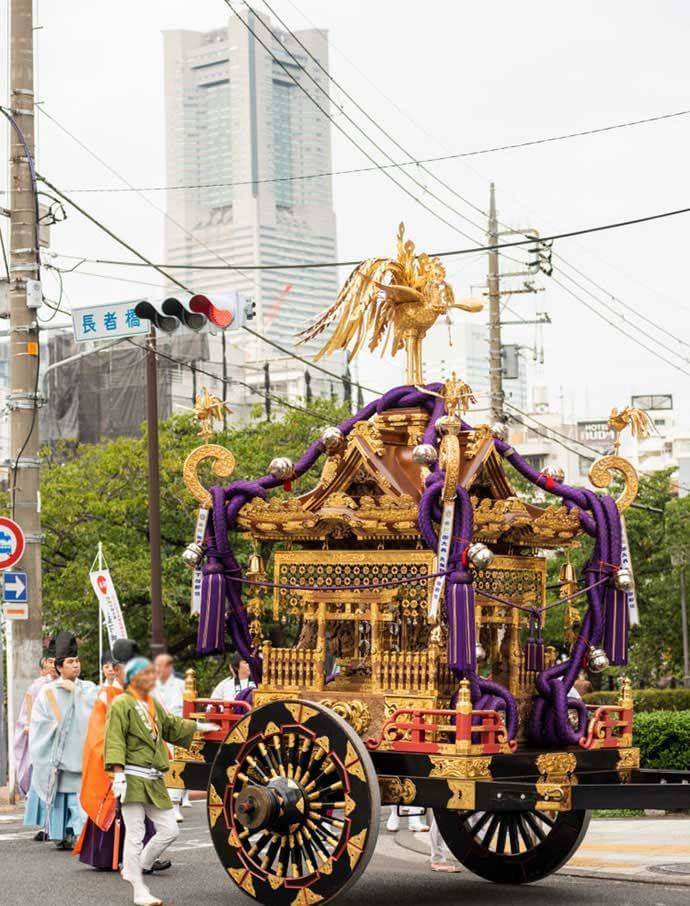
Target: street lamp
pixel 679 558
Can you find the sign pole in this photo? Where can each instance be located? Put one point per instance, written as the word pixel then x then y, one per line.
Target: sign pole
pixel 4 721
pixel 100 617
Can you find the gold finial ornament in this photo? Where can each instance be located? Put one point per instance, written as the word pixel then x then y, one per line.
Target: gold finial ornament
pixel 456 394
pixel 639 421
pixel 207 409
pixel 396 299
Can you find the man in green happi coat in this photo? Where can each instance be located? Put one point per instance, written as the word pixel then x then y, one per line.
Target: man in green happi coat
pixel 135 751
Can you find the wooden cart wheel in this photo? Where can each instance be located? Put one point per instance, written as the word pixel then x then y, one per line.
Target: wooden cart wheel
pixel 512 847
pixel 293 804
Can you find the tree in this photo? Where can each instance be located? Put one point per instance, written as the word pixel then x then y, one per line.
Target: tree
pixel 98 492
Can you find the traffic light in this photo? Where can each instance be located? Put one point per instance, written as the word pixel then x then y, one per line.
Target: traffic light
pixel 227 311
pixel 177 309
pixel 147 311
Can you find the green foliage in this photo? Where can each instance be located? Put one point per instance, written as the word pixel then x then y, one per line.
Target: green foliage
pixel 98 492
pixel 663 739
pixel 646 700
pixel 654 533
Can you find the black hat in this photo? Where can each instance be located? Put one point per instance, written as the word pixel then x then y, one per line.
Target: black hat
pixel 107 658
pixel 65 646
pixel 124 650
pixel 49 651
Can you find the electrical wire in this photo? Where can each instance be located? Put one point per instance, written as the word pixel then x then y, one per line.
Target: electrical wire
pixel 342 130
pixel 617 327
pixel 625 305
pixel 306 265
pixel 216 377
pixel 396 165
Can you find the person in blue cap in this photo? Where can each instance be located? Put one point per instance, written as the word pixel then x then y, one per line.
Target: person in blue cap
pixel 135 751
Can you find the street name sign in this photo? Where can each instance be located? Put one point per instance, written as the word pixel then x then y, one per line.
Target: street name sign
pixel 107 322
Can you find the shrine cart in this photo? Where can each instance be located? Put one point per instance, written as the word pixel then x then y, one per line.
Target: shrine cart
pixel 410 587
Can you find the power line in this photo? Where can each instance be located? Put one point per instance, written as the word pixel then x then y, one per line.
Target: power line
pixel 403 163
pixel 186 289
pixel 614 225
pixel 618 327
pixel 627 321
pixel 625 305
pixel 148 201
pixel 374 122
pixel 216 377
pixel 344 132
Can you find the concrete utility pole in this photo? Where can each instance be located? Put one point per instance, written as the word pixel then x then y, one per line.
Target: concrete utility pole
pixel 495 365
pixel 684 628
pixel 25 643
pixel 158 644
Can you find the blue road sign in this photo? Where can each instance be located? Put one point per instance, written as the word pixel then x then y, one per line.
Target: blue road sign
pixel 16 588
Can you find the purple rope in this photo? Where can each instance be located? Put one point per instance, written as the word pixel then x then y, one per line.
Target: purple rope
pixel 599 518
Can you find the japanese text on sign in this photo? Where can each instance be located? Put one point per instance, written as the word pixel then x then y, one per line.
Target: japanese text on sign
pixel 103 322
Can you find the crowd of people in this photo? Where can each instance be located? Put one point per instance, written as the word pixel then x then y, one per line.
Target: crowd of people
pixel 91 759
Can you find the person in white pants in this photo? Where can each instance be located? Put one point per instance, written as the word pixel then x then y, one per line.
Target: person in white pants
pixel 439 851
pixel 138 859
pixel 136 751
pixel 415 821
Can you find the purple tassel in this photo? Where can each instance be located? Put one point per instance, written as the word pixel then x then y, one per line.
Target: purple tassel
pixel 534 648
pixel 616 626
pixel 461 631
pixel 211 635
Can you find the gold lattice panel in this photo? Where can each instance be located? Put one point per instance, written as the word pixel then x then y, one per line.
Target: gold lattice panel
pixel 514 578
pixel 325 569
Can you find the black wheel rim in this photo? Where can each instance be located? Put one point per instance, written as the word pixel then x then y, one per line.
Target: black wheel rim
pixel 512 847
pixel 293 804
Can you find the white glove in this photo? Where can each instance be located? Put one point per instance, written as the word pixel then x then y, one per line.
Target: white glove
pixel 120 785
pixel 206 726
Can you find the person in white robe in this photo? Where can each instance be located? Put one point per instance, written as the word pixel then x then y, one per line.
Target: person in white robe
pixel 169 691
pixel 59 720
pixel 240 678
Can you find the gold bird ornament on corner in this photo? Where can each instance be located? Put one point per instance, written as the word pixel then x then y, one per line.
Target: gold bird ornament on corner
pixel 638 420
pixel 392 300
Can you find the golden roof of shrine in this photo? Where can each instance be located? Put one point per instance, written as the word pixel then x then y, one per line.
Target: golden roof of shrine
pixel 371 491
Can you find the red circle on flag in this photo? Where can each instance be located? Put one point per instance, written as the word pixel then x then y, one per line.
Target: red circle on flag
pixel 11 543
pixel 102 583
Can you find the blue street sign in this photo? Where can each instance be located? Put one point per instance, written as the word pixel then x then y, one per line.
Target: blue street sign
pixel 15 589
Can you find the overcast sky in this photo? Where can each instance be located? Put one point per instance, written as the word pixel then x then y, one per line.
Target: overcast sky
pixel 442 77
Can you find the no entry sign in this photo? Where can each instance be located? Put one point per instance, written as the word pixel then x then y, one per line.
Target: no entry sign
pixel 11 543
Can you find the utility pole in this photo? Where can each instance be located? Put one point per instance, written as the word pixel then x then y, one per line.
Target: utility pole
pixel 157 631
pixel 684 627
pixel 25 638
pixel 495 365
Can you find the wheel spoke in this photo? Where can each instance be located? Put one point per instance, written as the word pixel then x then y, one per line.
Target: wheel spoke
pixel 545 819
pixel 502 832
pixel 483 817
pixel 524 832
pixel 534 826
pixel 512 830
pixel 489 835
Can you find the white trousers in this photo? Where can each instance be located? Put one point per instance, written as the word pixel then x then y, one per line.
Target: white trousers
pixel 136 856
pixel 439 850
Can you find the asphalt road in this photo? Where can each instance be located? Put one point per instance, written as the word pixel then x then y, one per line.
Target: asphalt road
pixel 35 874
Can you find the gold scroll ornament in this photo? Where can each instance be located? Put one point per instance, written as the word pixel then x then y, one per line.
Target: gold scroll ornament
pixel 601 474
pixel 223 466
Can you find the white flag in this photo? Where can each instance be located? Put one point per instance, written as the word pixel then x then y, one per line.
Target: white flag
pixel 110 606
pixel 626 562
